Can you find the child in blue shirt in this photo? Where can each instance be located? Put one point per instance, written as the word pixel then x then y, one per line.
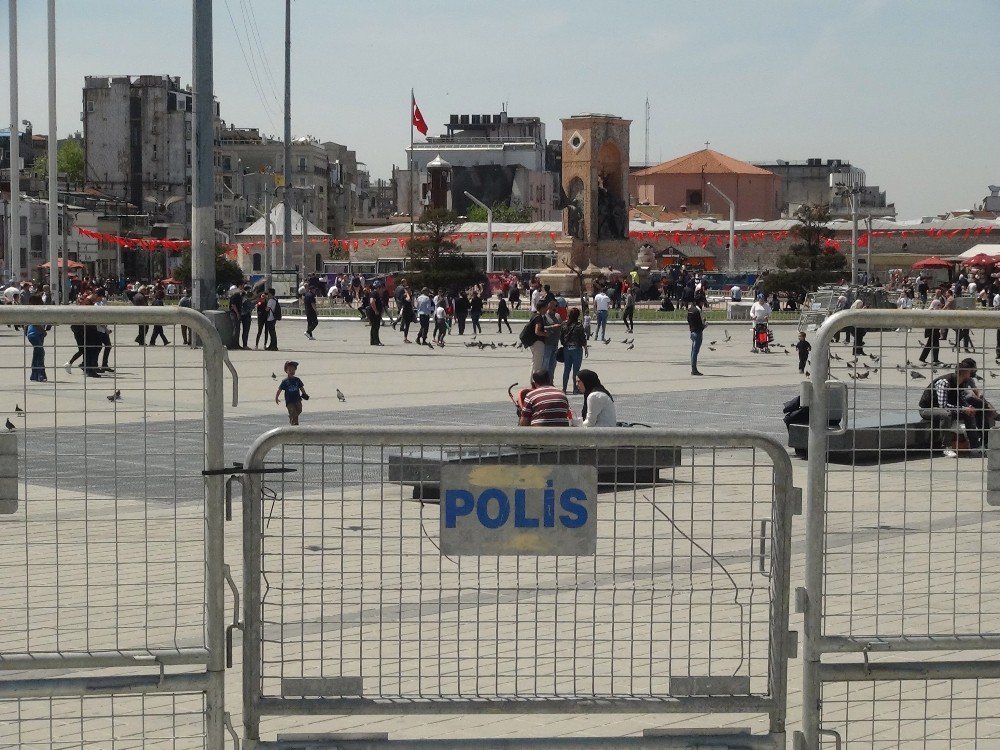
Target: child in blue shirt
pixel 295 392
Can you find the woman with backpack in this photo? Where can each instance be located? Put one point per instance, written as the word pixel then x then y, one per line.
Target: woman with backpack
pixel 503 312
pixel 574 342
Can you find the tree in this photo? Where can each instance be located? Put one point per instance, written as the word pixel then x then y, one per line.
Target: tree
pixel 809 262
pixel 511 213
pixel 227 272
pixel 69 160
pixel 434 259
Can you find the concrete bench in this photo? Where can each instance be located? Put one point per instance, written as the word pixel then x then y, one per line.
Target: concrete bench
pixel 888 434
pixel 615 466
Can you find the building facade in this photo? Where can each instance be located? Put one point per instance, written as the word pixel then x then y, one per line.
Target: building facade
pixel 495 157
pixel 809 182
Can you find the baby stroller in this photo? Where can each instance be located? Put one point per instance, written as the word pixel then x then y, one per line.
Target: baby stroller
pixel 762 338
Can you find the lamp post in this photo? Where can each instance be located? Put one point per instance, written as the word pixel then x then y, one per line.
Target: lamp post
pixel 489 229
pixel 849 184
pixel 14 225
pixel 732 226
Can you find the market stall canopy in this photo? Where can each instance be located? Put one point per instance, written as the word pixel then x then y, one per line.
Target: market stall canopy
pixel 982 259
pixel 278 221
pixel 63 264
pixel 932 262
pixel 981 249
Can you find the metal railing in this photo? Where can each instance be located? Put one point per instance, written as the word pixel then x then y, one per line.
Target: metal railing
pixel 357 603
pixel 112 598
pixel 900 600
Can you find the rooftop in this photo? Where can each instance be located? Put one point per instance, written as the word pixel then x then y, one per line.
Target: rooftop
pixel 707 161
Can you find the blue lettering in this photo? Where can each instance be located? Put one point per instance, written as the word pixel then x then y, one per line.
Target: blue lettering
pixel 521 520
pixel 483 510
pixel 457 503
pixel 568 502
pixel 549 506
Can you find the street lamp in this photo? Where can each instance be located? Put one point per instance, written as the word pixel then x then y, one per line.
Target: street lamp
pixel 850 185
pixel 489 229
pixel 732 226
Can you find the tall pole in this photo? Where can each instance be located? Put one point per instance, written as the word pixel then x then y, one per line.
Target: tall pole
pixel 203 183
pixel 286 241
pixel 732 227
pixel 489 229
pixel 868 247
pixel 14 225
pixel 267 238
pixel 304 233
pixel 410 162
pixel 53 158
pixel 854 236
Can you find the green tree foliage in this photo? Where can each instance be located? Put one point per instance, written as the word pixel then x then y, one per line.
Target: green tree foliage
pixel 434 258
pixel 227 272
pixel 69 160
pixel 809 262
pixel 511 213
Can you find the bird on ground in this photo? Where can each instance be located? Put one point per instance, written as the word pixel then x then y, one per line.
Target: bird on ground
pixel 873 358
pixel 341 396
pixel 711 343
pixel 835 356
pixel 711 349
pixel 863 375
pixel 993 374
pixel 917 375
pixel 493 345
pixel 273 376
pixel 607 341
pixel 728 337
pixel 116 396
pixel 786 352
pixel 430 346
pixel 630 346
pixel 852 376
pixel 865 365
pixel 624 341
pixel 10 426
pixel 18 410
pixel 807 373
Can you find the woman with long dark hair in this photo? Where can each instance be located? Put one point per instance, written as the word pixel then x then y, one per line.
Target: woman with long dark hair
pixel 598 403
pixel 574 341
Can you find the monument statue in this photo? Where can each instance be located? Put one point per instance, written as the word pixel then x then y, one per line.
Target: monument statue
pixel 574 218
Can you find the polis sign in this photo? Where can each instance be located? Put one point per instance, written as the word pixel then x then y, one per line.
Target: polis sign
pixel 518 510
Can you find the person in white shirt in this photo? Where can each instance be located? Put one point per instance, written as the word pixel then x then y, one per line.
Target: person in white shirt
pixel 735 294
pixel 602 303
pixel 760 312
pixel 904 302
pixel 598 404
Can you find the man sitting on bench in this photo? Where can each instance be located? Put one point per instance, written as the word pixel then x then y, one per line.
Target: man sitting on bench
pixel 958 393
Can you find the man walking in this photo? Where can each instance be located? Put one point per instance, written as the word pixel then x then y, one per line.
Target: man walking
pixel 696 325
pixel 271 321
pixel 602 303
pixel 309 305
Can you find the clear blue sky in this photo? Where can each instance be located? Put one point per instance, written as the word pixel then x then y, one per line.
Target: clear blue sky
pixel 906 89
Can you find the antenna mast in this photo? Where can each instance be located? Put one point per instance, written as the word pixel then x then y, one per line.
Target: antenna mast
pixel 646 156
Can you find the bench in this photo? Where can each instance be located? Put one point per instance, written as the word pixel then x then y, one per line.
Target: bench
pixel 615 466
pixel 888 434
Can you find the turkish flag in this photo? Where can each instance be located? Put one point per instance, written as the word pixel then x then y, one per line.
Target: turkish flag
pixel 418 119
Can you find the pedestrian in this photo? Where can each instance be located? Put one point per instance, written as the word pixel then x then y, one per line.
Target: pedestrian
pixel 236 313
pixel 598 403
pixel 803 347
pixel 503 314
pixel 406 314
pixel 103 333
pixel 544 405
pixel 574 342
pixel 185 301
pixel 425 309
pixel 628 310
pixel 586 324
pixel 476 311
pixel 602 303
pixel 696 326
pixel 553 327
pixel 374 314
pixel 261 308
pixel 246 317
pixel 36 337
pixel 294 390
pixel 158 329
pixel 462 306
pixel 841 305
pixel 932 345
pixel 139 300
pixel 273 309
pixel 440 319
pixel 309 305
pixel 760 313
pixel 535 339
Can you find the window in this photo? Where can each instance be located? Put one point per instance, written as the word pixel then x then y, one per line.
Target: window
pixel 319 262
pixel 24 226
pixel 694 198
pixel 90 106
pixel 256 261
pixel 302 164
pixel 187 130
pixel 227 163
pixel 227 182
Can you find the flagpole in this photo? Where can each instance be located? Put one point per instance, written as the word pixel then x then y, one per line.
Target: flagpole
pixel 413 103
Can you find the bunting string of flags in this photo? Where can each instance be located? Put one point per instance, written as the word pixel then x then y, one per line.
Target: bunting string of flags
pixel 674 237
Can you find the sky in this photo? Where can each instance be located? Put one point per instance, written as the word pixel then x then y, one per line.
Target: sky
pixel 905 89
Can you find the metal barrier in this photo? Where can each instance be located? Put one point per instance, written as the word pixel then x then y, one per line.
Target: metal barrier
pixel 901 601
pixel 387 572
pixel 112 627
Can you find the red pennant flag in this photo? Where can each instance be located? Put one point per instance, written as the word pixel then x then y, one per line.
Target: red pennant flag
pixel 418 119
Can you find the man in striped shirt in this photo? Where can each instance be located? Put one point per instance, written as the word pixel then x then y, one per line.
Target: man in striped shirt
pixel 544 405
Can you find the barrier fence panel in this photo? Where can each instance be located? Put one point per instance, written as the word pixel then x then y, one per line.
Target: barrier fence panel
pixel 448 571
pixel 111 602
pixel 901 602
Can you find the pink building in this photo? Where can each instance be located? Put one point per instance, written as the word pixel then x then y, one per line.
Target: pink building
pixel 684 182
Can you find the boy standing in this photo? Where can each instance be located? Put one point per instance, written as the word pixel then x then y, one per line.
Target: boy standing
pixel 804 347
pixel 295 392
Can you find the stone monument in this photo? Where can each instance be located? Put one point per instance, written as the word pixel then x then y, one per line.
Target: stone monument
pixel 595 158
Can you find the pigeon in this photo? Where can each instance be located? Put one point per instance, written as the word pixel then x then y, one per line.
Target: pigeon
pixel 863 375
pixel 273 376
pixel 865 365
pixel 993 374
pixel 873 358
pixel 917 375
pixel 630 346
pixel 341 396
pixel 711 349
pixel 728 337
pixel 116 396
pixel 807 373
pixel 875 371
pixel 18 410
pixel 786 352
pixel 493 345
pixel 624 341
pixel 10 426
pixel 712 343
pixel 852 376
pixel 835 356
pixel 607 341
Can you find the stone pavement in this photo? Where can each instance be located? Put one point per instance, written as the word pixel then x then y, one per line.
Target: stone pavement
pixel 111 488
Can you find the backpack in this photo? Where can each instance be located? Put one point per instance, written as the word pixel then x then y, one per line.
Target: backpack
pixel 527 335
pixel 927 397
pixel 277 309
